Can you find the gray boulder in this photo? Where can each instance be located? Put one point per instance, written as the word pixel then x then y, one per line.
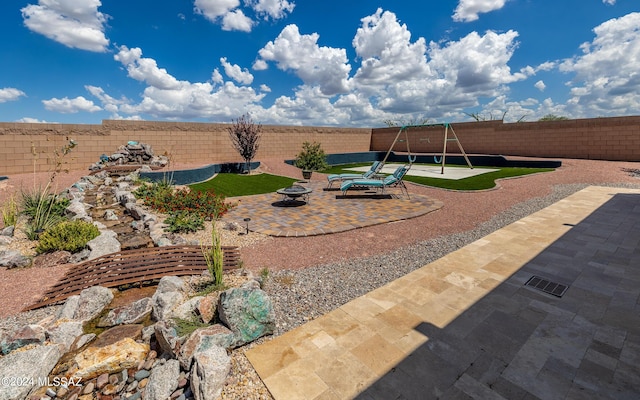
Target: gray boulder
pixel 8 231
pixel 210 370
pixel 168 295
pixel 29 366
pixel 186 310
pixel 104 244
pixel 65 333
pixel 13 259
pixel 162 381
pixel 30 334
pixel 202 339
pixel 247 311
pixel 91 302
pixel 167 337
pixel 128 314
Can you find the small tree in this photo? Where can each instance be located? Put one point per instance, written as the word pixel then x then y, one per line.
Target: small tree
pixel 245 138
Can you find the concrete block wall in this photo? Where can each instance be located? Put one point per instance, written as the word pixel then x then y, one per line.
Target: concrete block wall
pixel 615 139
pixel 21 144
pixel 195 143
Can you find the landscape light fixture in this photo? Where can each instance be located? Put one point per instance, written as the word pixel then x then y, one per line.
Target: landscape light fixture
pixel 246 220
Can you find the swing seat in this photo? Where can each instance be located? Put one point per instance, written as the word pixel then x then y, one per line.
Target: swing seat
pixel 374 169
pixel 394 180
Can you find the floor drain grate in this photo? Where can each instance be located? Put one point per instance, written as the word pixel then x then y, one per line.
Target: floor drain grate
pixel 547 286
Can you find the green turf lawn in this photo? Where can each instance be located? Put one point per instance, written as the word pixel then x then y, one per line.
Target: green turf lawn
pixel 232 185
pixel 479 182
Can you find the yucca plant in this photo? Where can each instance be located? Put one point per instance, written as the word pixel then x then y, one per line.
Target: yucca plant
pixel 10 212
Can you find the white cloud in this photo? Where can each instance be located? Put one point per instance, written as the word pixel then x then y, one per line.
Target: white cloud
pixel 235 72
pixel 607 80
pixel 325 67
pixel 468 10
pixel 274 9
pixel 214 9
pixel 265 88
pixel 145 69
pixel 74 23
pixel 169 98
pixel 29 120
pixel 540 85
pixel 10 94
pixel 70 106
pixel 610 2
pixel 232 16
pixel 236 21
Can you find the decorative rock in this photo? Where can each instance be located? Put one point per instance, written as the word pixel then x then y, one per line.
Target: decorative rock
pixel 65 332
pixel 115 357
pixel 77 210
pixel 88 388
pixel 102 380
pixel 210 369
pixel 29 365
pixel 202 339
pixel 91 303
pixel 27 335
pixel 106 243
pixel 248 312
pixel 110 215
pixel 162 381
pixel 123 197
pixel 83 340
pixel 13 259
pixel 48 260
pixel 187 309
pixel 140 375
pixel 136 211
pixel 168 295
pixel 8 231
pixel 80 256
pixel 118 333
pixel 129 314
pixel 5 240
pixel 167 337
pixel 207 307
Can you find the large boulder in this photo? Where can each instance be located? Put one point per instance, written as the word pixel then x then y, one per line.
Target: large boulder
pixel 65 332
pixel 30 367
pixel 247 311
pixel 111 358
pixel 162 381
pixel 167 337
pixel 202 339
pixel 186 310
pixel 210 370
pixel 169 294
pixel 88 305
pixel 13 259
pixel 132 313
pixel 30 334
pixel 106 243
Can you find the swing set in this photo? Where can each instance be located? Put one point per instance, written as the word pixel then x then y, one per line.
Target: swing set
pixel 412 158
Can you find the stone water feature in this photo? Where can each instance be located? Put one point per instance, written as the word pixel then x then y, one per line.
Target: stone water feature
pixel 94 348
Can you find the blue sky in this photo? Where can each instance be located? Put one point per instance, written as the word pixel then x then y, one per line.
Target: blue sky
pixel 290 62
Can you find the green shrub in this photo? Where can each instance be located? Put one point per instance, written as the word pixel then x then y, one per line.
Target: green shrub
pixel 185 327
pixel 311 158
pixel 71 236
pixel 184 222
pixel 161 197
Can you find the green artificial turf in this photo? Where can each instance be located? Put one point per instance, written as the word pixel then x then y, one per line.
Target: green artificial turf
pixel 232 185
pixel 478 182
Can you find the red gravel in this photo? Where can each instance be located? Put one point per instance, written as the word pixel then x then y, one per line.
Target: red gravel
pixel 461 212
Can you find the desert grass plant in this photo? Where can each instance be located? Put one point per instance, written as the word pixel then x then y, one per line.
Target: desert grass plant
pixel 44 208
pixel 184 222
pixel 71 236
pixel 214 257
pixel 186 326
pixel 10 212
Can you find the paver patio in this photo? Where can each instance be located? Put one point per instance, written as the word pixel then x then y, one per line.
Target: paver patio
pixel 324 213
pixel 465 326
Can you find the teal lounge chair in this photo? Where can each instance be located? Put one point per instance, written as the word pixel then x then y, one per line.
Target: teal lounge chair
pixel 374 169
pixel 393 180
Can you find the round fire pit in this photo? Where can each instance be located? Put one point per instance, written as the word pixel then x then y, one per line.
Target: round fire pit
pixel 294 193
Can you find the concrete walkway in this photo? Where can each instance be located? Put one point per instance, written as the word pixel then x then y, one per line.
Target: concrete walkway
pixel 467 327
